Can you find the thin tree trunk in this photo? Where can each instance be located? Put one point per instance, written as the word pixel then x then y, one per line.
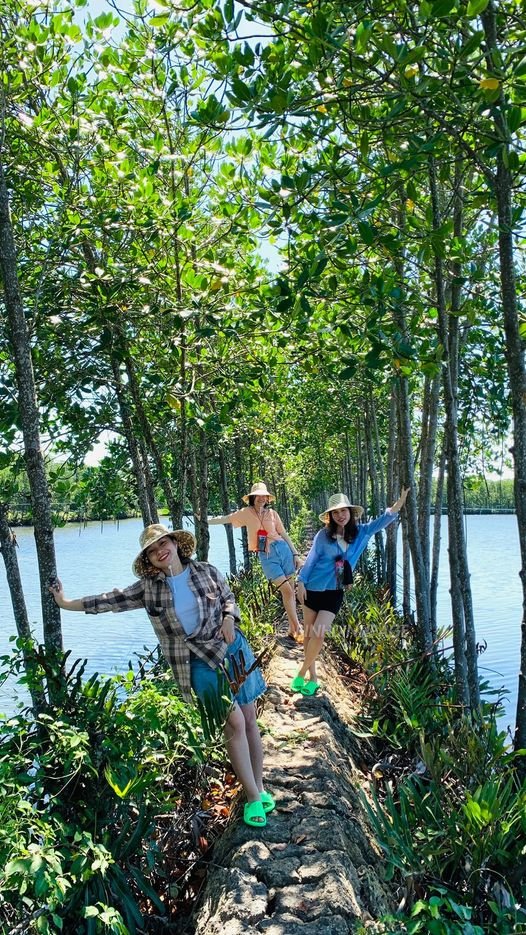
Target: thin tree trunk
pixel 133 448
pixel 437 537
pixel 29 417
pixel 201 521
pixel 464 639
pixel 348 463
pixel 14 582
pixel 407 478
pixel 174 508
pixel 392 488
pixel 427 461
pixel 375 487
pixel 240 484
pixel 225 506
pixel 514 347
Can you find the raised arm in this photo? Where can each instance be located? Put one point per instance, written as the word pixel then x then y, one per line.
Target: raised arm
pixel 397 506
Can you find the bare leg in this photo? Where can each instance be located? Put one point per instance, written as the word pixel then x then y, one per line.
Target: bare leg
pixel 286 589
pixel 315 623
pixel 254 743
pixel 239 753
pixel 309 619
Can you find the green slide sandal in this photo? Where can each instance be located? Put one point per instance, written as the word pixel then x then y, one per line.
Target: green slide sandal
pixel 254 814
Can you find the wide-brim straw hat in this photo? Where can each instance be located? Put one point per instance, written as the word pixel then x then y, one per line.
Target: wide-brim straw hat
pixel 186 544
pixel 259 489
pixel 336 502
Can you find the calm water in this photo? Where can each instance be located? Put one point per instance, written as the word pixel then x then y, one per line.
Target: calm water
pixel 98 557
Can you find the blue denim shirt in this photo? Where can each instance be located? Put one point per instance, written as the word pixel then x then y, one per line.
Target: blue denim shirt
pixel 318 572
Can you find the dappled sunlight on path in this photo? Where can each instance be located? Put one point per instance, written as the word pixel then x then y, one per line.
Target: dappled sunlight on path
pixel 314 868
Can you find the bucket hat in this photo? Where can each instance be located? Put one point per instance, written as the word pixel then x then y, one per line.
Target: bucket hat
pixel 336 502
pixel 185 542
pixel 259 489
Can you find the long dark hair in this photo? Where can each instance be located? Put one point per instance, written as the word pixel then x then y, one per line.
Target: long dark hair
pixel 350 530
pixel 252 500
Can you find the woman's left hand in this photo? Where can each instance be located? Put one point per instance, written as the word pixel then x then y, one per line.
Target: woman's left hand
pixel 227 630
pixel 298 562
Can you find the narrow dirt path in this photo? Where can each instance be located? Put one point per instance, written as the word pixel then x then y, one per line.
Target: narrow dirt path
pixel 314 868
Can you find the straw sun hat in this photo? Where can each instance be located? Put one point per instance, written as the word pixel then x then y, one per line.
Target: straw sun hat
pixel 185 542
pixel 259 489
pixel 336 502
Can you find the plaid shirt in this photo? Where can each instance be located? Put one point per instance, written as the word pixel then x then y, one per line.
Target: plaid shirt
pixel 214 601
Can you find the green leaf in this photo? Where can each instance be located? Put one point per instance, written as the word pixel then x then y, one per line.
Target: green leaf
pixel 442 7
pixel 158 21
pixel 362 35
pixel 475 7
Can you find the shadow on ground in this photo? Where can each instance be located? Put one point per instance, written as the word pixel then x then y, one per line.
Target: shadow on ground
pixel 314 868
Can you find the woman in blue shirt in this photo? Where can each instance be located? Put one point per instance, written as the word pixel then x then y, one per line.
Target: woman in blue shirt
pixel 327 571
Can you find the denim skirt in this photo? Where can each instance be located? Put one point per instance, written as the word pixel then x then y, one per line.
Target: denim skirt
pixel 207 681
pixel 278 561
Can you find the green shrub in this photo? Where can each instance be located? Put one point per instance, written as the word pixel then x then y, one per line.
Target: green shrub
pixel 81 787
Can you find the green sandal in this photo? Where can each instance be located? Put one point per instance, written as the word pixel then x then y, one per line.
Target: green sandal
pixel 297 683
pixel 254 814
pixel 310 688
pixel 268 802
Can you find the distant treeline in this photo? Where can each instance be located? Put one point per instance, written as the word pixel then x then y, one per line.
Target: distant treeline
pixel 107 491
pixel 481 495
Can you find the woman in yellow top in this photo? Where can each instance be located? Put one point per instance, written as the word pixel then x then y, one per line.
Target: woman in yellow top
pixel 268 537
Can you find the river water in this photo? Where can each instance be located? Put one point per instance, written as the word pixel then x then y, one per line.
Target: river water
pixel 98 557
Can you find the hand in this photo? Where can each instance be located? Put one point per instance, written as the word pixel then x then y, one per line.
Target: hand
pixel 57 591
pixel 396 507
pixel 320 629
pixel 298 562
pixel 227 630
pixel 301 592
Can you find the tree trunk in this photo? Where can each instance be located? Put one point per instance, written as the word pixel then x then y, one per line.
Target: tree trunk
pixel 427 461
pixel 464 638
pixel 201 520
pixel 225 506
pixel 392 488
pixel 437 536
pixel 376 505
pixel 14 581
pixel 348 464
pixel 174 508
pixel 514 348
pixel 240 484
pixel 127 427
pixel 29 417
pixel 407 478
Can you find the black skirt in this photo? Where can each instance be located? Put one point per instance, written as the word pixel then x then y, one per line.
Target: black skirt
pixel 325 600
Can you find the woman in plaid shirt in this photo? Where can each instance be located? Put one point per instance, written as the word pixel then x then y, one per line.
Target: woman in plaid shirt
pixel 196 620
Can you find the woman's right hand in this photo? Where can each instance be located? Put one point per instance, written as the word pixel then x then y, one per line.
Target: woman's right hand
pixel 301 592
pixel 57 591
pixel 320 628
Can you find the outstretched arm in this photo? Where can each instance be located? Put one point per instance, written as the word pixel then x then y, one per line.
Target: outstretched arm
pixel 116 601
pixel 219 520
pixel 60 598
pixel 397 506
